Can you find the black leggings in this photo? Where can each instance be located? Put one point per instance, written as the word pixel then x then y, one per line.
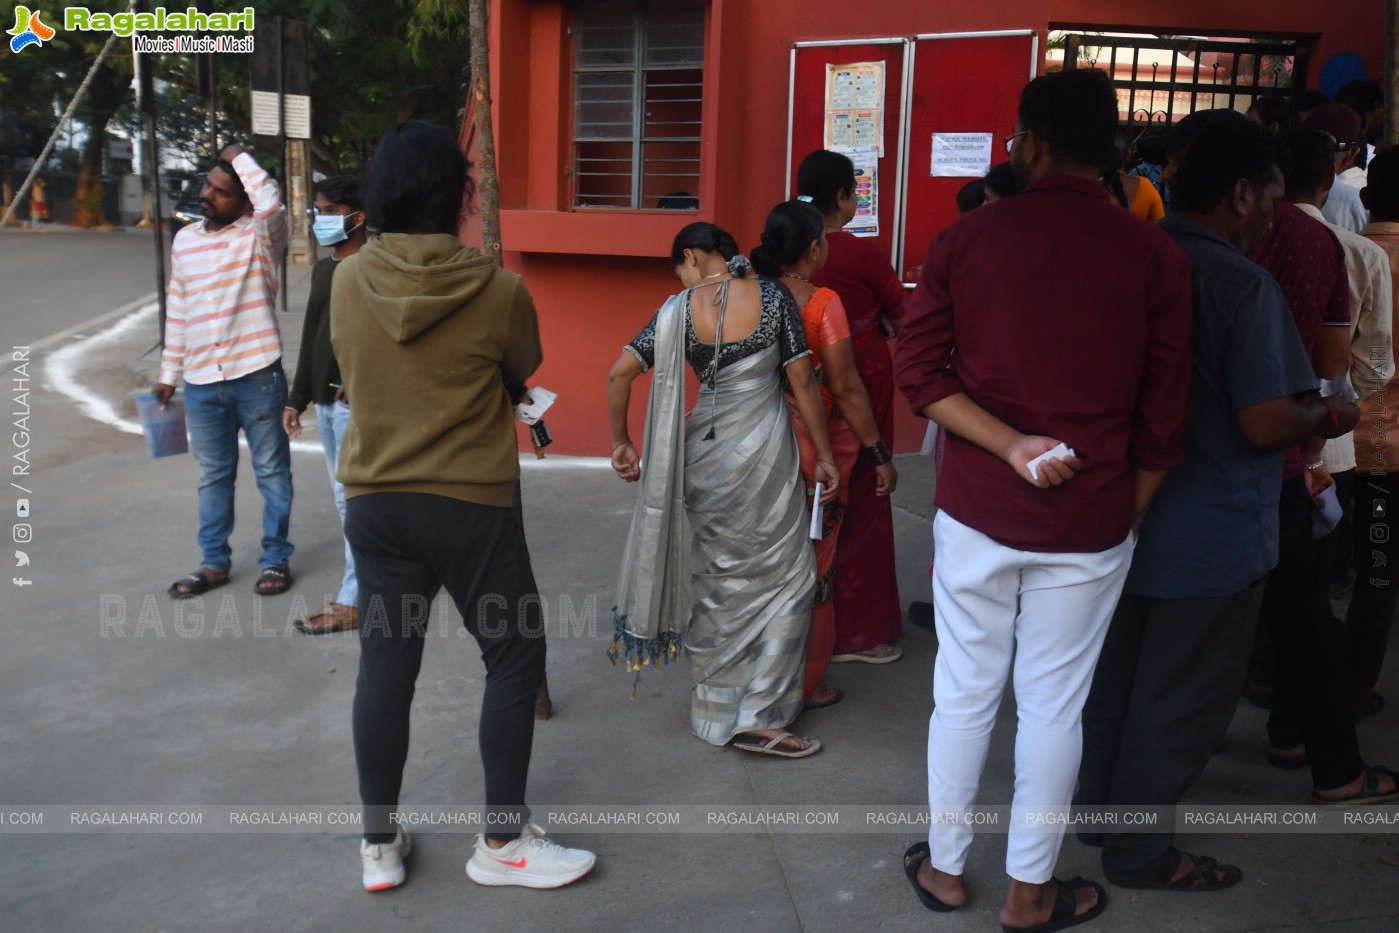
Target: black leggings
pixel 407 546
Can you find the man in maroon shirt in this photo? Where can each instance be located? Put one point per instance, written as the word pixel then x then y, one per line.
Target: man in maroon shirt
pixel 1031 558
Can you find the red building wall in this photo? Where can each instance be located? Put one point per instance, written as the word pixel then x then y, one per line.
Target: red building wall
pixel 597 277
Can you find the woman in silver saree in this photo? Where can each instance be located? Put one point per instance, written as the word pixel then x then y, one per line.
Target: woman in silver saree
pixel 736 590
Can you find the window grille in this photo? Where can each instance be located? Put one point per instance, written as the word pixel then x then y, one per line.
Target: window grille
pixel 637 83
pixel 1160 79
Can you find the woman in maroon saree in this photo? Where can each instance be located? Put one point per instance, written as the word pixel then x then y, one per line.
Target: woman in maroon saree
pixel 867 608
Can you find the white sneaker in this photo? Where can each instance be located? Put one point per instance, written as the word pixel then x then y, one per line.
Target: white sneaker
pixel 533 861
pixel 383 862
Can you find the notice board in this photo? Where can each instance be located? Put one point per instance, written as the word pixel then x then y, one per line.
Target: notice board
pixel 846 65
pixel 962 85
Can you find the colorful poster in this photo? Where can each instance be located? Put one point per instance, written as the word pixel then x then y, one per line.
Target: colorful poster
pixel 866 219
pixel 855 106
pixel 961 155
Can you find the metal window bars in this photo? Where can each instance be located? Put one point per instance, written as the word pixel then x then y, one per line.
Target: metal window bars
pixel 1197 74
pixel 637 99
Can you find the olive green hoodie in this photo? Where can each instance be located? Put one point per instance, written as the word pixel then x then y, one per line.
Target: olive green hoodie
pixel 424 329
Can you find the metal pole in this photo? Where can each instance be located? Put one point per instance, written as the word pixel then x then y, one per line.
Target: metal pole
pixel 282 140
pixel 145 86
pixel 213 108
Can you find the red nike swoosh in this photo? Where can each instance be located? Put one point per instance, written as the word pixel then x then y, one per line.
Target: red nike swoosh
pixel 518 863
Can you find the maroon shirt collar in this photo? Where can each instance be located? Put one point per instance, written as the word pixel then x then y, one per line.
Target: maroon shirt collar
pixel 1070 184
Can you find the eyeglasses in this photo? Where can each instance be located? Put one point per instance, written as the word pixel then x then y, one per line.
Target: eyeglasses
pixel 1010 140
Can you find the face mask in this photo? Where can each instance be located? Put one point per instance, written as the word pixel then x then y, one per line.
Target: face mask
pixel 329 229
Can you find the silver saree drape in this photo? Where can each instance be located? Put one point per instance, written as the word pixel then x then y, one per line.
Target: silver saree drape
pixel 751 569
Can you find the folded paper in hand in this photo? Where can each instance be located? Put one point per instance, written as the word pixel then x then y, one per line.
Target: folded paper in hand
pixel 1328 512
pixel 1060 452
pixel 1338 385
pixel 817 512
pixel 539 401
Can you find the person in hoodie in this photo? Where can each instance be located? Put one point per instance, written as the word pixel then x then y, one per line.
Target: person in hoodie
pixel 428 333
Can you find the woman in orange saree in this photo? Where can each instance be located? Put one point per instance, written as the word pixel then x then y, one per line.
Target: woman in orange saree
pixel 793 249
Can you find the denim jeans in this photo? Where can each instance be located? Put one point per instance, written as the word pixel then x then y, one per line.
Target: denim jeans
pixel 215 413
pixel 333 421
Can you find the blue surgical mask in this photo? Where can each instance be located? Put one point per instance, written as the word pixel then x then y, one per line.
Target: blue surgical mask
pixel 330 229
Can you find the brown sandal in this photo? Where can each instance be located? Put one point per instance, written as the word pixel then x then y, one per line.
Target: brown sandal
pixel 830 696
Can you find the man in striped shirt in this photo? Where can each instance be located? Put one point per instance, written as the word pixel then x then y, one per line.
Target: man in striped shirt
pixel 221 336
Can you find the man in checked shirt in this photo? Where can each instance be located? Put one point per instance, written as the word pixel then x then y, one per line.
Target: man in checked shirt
pixel 221 336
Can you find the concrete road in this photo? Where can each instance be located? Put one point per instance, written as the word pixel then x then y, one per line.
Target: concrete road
pixel 110 697
pixel 57 277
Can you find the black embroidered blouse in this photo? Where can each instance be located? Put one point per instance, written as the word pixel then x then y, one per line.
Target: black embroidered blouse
pixel 779 322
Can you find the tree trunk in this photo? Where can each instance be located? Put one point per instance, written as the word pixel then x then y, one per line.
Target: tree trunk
pixel 108 90
pixel 488 190
pixel 487 185
pixel 1391 74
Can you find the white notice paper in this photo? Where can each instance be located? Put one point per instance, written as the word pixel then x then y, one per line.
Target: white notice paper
pixel 266 114
pixel 297 108
pixel 817 511
pixel 961 155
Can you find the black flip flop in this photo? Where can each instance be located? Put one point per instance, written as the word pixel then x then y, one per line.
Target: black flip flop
pixel 1369 792
pixel 1065 904
pixel 273 581
pixel 195 584
pixel 1207 872
pixel 913 858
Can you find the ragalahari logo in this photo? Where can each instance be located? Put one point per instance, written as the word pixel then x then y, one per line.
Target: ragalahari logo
pixel 28 30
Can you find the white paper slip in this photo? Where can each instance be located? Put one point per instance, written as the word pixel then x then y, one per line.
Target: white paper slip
pixel 1328 512
pixel 1059 452
pixel 540 399
pixel 817 511
pixel 930 441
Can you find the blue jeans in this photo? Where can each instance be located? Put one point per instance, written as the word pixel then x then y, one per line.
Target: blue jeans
pixel 215 413
pixel 333 421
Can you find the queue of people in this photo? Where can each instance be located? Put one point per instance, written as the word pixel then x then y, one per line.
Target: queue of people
pixel 1090 440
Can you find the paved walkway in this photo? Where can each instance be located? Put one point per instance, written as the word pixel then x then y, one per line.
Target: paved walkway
pixel 226 707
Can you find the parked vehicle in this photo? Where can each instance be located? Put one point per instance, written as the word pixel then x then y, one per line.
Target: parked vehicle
pixel 186 209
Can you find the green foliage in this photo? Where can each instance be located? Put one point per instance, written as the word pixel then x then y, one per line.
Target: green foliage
pixel 372 65
pixel 37 84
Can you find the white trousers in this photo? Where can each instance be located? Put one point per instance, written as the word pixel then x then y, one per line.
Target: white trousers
pixel 1044 617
